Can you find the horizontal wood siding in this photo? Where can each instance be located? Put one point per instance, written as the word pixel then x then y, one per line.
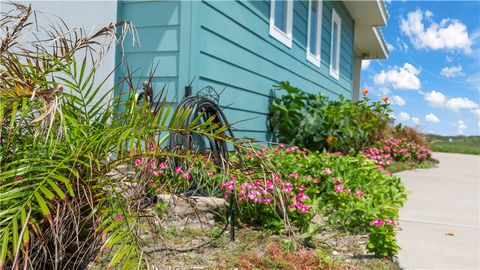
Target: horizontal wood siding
pixel 237 55
pixel 157 25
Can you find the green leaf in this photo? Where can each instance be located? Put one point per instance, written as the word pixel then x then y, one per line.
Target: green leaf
pixel 43 205
pixel 4 250
pixel 57 189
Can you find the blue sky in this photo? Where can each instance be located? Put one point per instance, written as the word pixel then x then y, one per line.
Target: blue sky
pixel 432 75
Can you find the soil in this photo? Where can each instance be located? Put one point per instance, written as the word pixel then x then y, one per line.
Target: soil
pixel 190 222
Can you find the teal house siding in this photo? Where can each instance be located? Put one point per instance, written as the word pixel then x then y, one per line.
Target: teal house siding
pixel 226 44
pixel 156 48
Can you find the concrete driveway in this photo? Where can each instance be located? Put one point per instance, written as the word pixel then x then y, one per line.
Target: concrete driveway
pixel 440 221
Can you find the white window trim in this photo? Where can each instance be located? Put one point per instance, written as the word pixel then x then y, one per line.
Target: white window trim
pixel 283 37
pixel 335 71
pixel 315 58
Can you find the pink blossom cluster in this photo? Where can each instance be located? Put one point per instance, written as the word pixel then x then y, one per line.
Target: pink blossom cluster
pixel 261 191
pixel 256 192
pixel 380 222
pixel 298 203
pixel 341 188
pixel 156 168
pixel 397 149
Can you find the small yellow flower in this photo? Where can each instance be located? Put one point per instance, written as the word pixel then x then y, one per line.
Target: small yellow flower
pixel 330 139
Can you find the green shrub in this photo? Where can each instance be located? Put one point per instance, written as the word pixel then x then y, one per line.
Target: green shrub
pixel 349 191
pixel 317 123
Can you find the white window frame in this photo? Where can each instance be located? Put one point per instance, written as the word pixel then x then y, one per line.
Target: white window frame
pixel 315 58
pixel 284 37
pixel 335 52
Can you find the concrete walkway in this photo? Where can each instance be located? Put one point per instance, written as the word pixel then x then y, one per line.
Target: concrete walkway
pixel 440 221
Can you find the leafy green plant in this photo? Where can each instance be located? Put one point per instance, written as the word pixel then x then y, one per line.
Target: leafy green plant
pixel 317 123
pixel 67 194
pixel 288 111
pixel 381 240
pixel 346 192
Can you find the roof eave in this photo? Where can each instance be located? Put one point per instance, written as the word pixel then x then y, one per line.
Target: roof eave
pixel 368 16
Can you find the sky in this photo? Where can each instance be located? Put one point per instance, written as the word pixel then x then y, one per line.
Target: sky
pixel 432 74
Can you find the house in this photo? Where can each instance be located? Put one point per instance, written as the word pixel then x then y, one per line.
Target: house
pixel 245 47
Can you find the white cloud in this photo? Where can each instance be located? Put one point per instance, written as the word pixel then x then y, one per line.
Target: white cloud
pixel 451 72
pixel 432 118
pixel 476 112
pixel 460 125
pixel 403 116
pixel 415 120
pixel 377 91
pixel 435 99
pixel 397 100
pixel 455 104
pixel 474 80
pixel 428 14
pixel 449 58
pixel 383 91
pixel 449 34
pixel 399 77
pixel 365 64
pixel 390 47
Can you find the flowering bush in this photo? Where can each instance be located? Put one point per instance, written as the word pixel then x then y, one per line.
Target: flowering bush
pixel 381 240
pixel 317 122
pixel 397 149
pixel 349 191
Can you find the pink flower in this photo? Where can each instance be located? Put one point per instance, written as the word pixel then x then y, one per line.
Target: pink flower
pixel 229 185
pixel 210 172
pixel 119 217
pixel 186 176
pixel 270 185
pixel 301 188
pixel 328 171
pixel 359 193
pixel 377 222
pixel 157 172
pixel 338 188
pixel 18 178
pixel 152 165
pixel 337 181
pixel 138 162
pixel 276 176
pixel 390 222
pixel 281 145
pixel 163 165
pixel 301 196
pixel 151 145
pixel 303 209
pixel 268 200
pixel 294 175
pixel 287 187
pixel 178 170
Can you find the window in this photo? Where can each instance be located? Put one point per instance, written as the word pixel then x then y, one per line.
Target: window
pixel 314 31
pixel 281 13
pixel 335 45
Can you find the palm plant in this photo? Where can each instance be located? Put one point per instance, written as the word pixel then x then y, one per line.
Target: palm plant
pixel 61 137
